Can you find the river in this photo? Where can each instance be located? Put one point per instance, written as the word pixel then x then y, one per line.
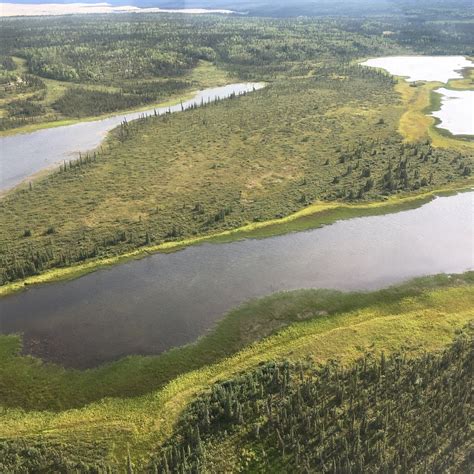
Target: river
pixel 165 300
pixel 24 155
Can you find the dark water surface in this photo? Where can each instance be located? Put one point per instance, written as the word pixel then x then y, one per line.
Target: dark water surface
pixel 165 300
pixel 23 155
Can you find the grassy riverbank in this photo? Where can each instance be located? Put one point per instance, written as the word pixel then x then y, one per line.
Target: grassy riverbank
pixel 231 168
pixel 420 316
pixel 64 122
pixel 204 76
pixel 311 217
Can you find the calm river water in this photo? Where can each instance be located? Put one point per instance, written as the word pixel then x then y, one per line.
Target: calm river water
pixel 165 300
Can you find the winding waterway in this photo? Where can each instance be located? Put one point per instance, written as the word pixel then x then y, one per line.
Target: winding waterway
pixel 165 300
pixel 23 155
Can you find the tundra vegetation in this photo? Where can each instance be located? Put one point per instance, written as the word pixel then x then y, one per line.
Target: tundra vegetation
pixel 145 412
pixel 250 159
pixel 306 381
pixel 324 129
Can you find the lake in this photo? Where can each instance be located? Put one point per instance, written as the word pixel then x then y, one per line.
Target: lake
pixel 165 300
pixel 456 113
pixel 422 68
pixel 23 155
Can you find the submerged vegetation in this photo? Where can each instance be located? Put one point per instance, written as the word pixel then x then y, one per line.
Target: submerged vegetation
pixel 416 318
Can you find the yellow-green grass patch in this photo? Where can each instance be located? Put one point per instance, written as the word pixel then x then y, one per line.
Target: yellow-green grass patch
pixel 416 322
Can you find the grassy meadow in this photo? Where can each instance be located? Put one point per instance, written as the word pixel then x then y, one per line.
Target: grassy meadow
pixel 325 136
pixel 325 140
pixel 51 406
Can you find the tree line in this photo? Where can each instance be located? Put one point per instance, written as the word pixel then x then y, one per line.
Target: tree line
pixel 380 414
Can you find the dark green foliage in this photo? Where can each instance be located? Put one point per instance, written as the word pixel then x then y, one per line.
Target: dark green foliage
pixel 110 50
pixel 21 111
pixel 80 102
pixel 380 414
pixel 7 63
pixel 45 457
pixel 24 108
pixel 155 90
pixel 135 53
pixel 279 116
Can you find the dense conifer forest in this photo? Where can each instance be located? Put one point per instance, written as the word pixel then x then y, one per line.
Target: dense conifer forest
pixel 54 56
pixel 381 413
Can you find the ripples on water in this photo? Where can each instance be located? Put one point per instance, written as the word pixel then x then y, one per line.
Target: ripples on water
pixel 165 300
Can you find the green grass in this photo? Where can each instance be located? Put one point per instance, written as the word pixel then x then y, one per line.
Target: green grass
pixel 203 76
pixel 315 408
pixel 416 125
pixel 288 158
pixel 28 383
pixel 419 316
pixel 136 375
pixel 313 216
pixel 258 158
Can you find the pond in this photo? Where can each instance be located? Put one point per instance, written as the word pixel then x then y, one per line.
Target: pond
pixel 165 300
pixel 23 155
pixel 456 112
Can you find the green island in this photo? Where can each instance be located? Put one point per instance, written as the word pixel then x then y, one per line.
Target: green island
pixel 301 381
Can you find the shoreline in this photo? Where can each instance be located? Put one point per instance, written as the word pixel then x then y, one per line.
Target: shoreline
pixel 147 110
pixel 311 217
pixel 417 101
pixel 421 99
pixel 225 335
pixel 436 103
pixel 35 127
pixel 416 123
pixel 149 393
